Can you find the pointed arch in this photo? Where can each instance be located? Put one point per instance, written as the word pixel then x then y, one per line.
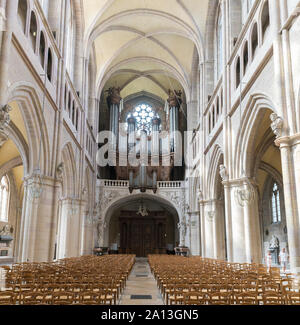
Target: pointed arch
pixel 69 171
pixel 216 160
pixel 253 113
pixel 38 146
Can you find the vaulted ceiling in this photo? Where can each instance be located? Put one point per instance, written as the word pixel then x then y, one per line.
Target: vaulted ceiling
pixel 144 45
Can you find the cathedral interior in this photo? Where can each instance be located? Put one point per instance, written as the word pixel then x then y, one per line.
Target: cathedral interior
pixel 150 128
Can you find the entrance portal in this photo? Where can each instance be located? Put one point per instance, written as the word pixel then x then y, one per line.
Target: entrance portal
pixel 142 235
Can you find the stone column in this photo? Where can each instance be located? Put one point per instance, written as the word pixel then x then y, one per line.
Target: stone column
pixel 201 223
pixel 290 160
pixel 228 221
pixel 69 228
pixel 5 47
pixel 246 241
pixel 219 230
pixel 175 102
pixel 39 208
pixel 195 233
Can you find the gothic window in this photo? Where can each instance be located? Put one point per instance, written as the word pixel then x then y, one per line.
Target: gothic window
pixel 275 204
pixel 49 65
pixel 42 48
pixel 22 13
pixel 245 57
pixel 254 40
pixel 265 18
pixel 4 199
pixel 238 72
pixel 143 115
pixel 33 30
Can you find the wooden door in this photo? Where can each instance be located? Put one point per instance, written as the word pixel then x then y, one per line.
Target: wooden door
pixel 142 236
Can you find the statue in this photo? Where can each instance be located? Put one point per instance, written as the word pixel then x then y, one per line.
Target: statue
pixel 4 116
pixel 59 170
pixel 7 230
pixel 114 96
pixel 274 249
pixel 223 173
pixel 174 99
pixel 182 228
pixel 274 242
pixel 100 232
pixel 277 124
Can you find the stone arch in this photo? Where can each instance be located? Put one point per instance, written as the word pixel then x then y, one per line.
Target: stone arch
pixel 36 127
pixel 210 44
pixel 69 177
pixel 250 119
pixel 213 172
pixel 117 202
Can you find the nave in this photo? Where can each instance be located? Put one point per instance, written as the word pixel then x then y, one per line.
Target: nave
pixel 156 280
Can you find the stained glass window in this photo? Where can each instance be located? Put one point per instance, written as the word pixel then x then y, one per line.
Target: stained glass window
pixel 275 203
pixel 143 115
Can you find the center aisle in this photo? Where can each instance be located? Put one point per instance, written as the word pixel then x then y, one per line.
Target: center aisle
pixel 141 287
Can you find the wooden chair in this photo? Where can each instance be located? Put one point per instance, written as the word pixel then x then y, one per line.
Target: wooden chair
pixel 62 298
pixel 195 298
pixel 273 298
pixel 293 298
pixel 245 298
pixel 32 298
pixel 7 298
pixel 218 298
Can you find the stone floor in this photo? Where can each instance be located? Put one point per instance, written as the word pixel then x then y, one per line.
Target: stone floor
pixel 141 283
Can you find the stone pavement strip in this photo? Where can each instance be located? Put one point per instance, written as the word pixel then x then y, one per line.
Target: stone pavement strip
pixel 141 287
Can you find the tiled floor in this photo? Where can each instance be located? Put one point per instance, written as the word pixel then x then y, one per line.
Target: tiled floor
pixel 140 283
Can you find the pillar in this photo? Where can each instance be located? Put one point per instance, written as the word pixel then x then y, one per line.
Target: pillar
pixel 39 208
pixel 290 160
pixel 195 233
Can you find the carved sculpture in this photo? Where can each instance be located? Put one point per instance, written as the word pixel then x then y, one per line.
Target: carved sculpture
pixel 174 99
pixel 114 96
pixel 4 116
pixel 6 230
pixel 274 242
pixel 59 170
pixel 223 173
pixel 277 124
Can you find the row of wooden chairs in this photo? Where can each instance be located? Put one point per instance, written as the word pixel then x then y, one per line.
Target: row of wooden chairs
pixel 56 298
pixel 102 277
pixel 220 282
